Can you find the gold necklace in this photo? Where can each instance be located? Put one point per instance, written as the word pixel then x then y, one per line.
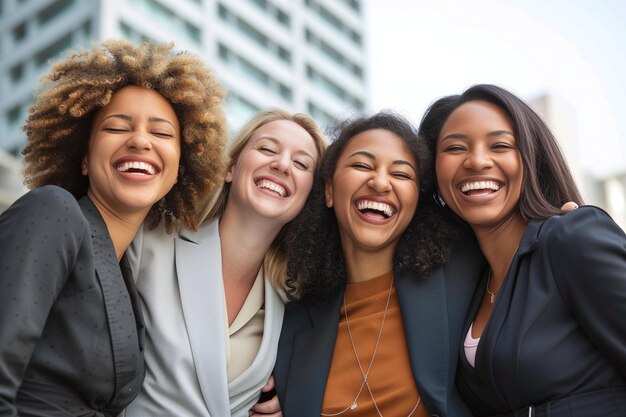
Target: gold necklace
pixel 492 295
pixel 353 404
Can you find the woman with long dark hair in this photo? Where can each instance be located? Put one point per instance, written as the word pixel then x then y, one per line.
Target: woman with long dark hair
pixel 546 334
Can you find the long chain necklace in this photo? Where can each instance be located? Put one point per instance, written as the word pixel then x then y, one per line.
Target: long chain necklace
pixel 353 404
pixel 492 294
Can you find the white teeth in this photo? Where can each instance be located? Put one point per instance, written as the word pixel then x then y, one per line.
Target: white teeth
pixel 480 185
pixel 272 186
pixel 138 165
pixel 374 205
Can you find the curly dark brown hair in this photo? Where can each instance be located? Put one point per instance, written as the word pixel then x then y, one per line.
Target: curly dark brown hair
pixel 81 82
pixel 316 267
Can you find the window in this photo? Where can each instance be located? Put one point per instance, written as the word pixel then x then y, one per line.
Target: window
pixel 53 10
pixel 278 14
pixel 331 88
pixel 168 18
pixel 322 117
pixel 353 4
pixel 132 35
pixel 42 57
pixel 16 73
pixel 15 116
pixel 333 54
pixel 250 32
pixel 334 21
pixel 19 32
pixel 246 68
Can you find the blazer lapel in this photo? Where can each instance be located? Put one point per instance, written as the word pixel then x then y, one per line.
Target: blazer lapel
pixel 199 270
pixel 423 305
pixel 313 352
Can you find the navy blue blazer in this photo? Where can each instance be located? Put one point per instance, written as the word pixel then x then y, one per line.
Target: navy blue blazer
pixel 433 310
pixel 70 330
pixel 557 332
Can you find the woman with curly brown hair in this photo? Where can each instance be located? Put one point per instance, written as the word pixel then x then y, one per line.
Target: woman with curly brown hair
pixel 211 297
pixel 381 281
pixel 117 134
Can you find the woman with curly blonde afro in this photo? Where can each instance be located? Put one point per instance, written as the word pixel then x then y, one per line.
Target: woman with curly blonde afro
pixel 118 134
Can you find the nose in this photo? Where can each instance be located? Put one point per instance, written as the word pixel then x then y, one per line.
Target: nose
pixel 478 159
pixel 139 140
pixel 380 182
pixel 282 163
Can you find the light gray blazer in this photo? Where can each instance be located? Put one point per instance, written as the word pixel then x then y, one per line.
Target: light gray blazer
pixel 179 279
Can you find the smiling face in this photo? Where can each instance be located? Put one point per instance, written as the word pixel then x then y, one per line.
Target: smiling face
pixel 479 166
pixel 134 151
pixel 374 191
pixel 273 174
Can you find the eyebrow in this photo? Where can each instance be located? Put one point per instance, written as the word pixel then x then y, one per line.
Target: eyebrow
pixel 373 157
pixel 489 135
pixel 129 118
pixel 277 142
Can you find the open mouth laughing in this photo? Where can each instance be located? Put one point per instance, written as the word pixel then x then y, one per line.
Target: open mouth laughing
pixel 376 208
pixel 273 186
pixel 480 187
pixel 137 167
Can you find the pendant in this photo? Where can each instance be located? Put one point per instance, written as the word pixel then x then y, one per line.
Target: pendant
pixel 492 297
pixel 353 406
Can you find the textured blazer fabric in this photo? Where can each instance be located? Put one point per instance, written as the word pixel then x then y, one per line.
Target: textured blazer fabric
pixel 70 337
pixel 433 311
pixel 557 333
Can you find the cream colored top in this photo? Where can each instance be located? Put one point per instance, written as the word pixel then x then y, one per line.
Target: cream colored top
pixel 244 336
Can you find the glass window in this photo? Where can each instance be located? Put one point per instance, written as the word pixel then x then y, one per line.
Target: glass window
pixel 42 57
pixel 53 10
pixel 15 116
pixel 16 73
pixel 19 32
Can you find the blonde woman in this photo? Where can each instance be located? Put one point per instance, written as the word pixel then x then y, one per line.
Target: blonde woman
pixel 213 315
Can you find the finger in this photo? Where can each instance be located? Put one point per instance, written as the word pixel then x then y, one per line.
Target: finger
pixel 270 406
pixel 569 206
pixel 269 386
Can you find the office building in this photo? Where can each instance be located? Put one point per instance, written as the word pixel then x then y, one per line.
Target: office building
pixel 302 55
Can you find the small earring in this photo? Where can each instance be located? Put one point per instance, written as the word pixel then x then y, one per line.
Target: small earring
pixel 439 199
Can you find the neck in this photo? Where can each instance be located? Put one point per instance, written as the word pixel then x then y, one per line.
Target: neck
pixel 122 227
pixel 499 245
pixel 244 242
pixel 363 265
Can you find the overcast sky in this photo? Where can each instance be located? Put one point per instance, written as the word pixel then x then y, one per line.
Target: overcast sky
pixel 573 49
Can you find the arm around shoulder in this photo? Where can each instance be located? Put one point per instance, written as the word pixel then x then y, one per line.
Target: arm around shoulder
pixel 587 255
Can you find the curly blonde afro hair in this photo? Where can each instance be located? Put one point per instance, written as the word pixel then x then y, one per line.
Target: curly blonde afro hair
pixel 82 82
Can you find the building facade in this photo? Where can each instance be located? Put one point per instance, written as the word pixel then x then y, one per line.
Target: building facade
pixel 301 55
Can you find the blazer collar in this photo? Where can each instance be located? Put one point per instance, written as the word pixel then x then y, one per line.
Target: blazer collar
pixel 313 352
pixel 113 283
pixel 423 304
pixel 199 271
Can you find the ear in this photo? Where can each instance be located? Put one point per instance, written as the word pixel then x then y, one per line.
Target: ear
pixel 84 166
pixel 229 174
pixel 328 192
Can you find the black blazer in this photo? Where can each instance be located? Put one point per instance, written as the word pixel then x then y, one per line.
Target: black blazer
pixel 70 335
pixel 433 310
pixel 558 326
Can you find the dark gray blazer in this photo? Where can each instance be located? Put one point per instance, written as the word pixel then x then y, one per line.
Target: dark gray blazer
pixel 557 332
pixel 433 310
pixel 70 337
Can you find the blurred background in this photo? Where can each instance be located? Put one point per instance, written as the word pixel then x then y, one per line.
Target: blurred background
pixel 335 58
